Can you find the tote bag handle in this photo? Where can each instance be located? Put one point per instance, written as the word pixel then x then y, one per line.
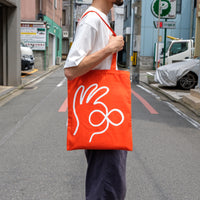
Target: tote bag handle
pixel 114 59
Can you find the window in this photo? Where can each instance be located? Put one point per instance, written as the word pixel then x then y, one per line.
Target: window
pixel 178 47
pixel 63 17
pixel 130 7
pixel 178 6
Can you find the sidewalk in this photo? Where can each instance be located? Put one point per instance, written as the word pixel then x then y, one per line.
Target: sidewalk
pixel 173 93
pixel 27 78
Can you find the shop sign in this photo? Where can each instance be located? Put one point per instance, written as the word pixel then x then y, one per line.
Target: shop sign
pixel 35 46
pixel 34 35
pixel 168 25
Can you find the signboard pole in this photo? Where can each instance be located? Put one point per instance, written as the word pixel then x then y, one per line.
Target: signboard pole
pixel 164 9
pixel 165 36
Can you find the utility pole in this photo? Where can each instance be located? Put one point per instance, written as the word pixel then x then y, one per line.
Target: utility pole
pixel 135 40
pixel 197 36
pixel 191 18
pixel 157 50
pixel 131 41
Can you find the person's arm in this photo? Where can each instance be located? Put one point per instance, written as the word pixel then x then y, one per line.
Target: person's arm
pixel 115 44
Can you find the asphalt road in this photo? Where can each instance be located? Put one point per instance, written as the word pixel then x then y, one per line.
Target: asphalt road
pixel 34 163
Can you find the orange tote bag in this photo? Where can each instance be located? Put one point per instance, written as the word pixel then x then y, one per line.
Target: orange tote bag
pixel 99 110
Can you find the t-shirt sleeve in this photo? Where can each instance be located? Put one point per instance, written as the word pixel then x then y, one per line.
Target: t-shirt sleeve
pixel 82 45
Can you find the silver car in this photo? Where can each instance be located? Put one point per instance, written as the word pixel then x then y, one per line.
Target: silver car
pixel 183 74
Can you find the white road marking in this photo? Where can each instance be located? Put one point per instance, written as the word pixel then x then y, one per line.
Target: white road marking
pixel 190 120
pixel 187 118
pixel 61 82
pixel 150 73
pixel 148 91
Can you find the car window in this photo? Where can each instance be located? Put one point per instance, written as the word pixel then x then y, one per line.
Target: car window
pixel 178 47
pixel 168 45
pixel 22 44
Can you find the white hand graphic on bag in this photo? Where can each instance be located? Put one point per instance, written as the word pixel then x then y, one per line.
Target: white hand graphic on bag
pixel 92 91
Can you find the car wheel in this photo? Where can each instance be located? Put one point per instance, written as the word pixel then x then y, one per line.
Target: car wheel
pixel 188 81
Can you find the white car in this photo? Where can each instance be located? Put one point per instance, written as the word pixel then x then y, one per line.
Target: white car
pixel 183 74
pixel 27 57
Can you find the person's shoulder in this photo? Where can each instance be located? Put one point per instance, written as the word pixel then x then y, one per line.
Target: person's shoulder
pixel 91 19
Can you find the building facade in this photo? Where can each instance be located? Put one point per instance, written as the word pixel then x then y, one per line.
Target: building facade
pixel 41 22
pixel 67 26
pixel 10 64
pixel 197 33
pixel 72 12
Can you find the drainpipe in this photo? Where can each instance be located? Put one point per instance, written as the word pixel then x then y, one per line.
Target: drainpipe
pixel 40 11
pixel 40 6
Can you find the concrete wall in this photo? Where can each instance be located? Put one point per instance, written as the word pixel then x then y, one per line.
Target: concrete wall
pixel 13 28
pixel 28 9
pixel 119 19
pixel 10 49
pixel 52 11
pixel 146 62
pixel 39 59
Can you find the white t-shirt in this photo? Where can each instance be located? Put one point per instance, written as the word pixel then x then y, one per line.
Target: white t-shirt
pixel 91 35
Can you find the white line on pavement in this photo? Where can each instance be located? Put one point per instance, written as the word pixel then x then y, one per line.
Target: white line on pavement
pixel 148 91
pixel 190 120
pixel 61 82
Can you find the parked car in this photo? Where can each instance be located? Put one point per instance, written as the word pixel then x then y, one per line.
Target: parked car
pixel 27 57
pixel 178 50
pixel 183 74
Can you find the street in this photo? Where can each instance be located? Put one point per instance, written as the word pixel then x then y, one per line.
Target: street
pixel 34 163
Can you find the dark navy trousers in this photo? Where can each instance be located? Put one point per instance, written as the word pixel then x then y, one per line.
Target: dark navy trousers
pixel 106 174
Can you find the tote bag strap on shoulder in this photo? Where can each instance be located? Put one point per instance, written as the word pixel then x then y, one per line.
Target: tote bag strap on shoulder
pixel 114 59
pixel 101 19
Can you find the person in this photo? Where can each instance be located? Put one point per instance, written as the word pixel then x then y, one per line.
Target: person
pixel 93 48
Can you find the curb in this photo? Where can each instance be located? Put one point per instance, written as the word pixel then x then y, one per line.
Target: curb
pixel 15 89
pixel 172 98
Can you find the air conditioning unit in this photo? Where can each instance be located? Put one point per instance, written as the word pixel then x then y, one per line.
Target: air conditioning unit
pixel 58 60
pixel 40 16
pixel 65 34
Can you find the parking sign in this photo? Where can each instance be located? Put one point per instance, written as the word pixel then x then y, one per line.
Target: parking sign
pixel 167 9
